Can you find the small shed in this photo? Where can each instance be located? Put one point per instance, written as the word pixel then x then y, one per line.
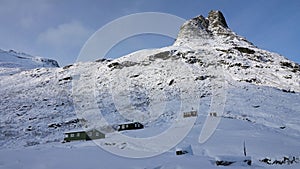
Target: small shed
pixel 213 114
pixel 190 114
pixel 129 126
pixel 186 150
pixel 83 135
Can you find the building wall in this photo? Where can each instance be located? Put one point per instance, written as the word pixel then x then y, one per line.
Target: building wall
pixel 89 135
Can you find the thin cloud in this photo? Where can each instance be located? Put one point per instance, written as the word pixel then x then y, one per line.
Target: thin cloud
pixel 66 35
pixel 23 14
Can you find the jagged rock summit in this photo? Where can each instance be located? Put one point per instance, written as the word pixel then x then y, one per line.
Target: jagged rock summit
pixel 203 31
pixel 217 19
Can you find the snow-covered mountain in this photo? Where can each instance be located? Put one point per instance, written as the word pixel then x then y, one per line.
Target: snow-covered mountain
pixel 261 106
pixel 13 62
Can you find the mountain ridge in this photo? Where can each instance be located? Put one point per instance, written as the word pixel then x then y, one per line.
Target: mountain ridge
pixel 13 62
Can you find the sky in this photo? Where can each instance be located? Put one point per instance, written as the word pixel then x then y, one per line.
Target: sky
pixel 58 29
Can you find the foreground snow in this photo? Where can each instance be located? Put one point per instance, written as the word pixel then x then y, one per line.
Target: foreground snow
pixel 248 117
pixel 227 141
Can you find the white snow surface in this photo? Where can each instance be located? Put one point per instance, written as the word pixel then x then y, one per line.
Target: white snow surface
pixel 13 62
pixel 154 86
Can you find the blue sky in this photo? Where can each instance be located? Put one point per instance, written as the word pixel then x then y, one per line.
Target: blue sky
pixel 58 29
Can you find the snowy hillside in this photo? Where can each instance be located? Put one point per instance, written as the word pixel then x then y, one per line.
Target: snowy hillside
pixel 207 66
pixel 12 62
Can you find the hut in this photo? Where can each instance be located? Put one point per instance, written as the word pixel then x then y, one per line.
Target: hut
pixel 190 114
pixel 129 126
pixel 213 114
pixel 83 135
pixel 186 150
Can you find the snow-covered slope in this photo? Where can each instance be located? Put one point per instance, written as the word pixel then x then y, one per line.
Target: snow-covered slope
pixel 12 62
pixel 154 86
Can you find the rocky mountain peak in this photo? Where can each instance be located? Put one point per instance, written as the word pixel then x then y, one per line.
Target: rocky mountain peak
pixel 209 31
pixel 217 19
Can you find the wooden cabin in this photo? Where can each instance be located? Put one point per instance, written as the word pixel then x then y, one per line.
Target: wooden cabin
pixel 190 114
pixel 83 135
pixel 213 114
pixel 129 126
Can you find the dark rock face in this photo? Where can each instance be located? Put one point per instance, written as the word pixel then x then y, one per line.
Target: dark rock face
pixel 194 29
pixel 283 161
pixel 203 27
pixel 200 22
pixel 51 62
pixel 204 30
pixel 216 18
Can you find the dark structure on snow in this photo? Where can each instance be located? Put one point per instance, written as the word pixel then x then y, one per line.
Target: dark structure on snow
pixel 190 114
pixel 129 126
pixel 83 135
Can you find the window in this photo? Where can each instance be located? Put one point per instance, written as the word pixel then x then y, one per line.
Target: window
pixel 72 135
pixel 66 136
pixel 78 134
pixel 97 134
pixel 90 134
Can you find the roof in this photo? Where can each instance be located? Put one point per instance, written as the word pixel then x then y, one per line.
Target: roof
pixel 130 123
pixel 81 130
